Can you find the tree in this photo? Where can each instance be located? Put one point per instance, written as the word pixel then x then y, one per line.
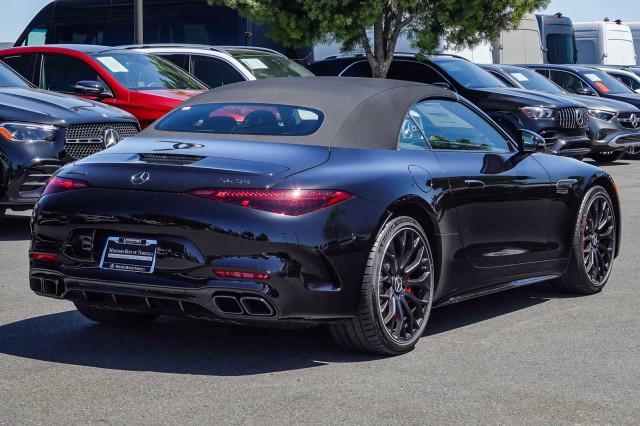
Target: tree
pixel 462 23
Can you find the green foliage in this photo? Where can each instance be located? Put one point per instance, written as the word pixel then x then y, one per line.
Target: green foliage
pixel 462 23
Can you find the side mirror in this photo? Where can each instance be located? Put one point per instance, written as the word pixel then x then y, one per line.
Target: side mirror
pixel 585 91
pixel 637 91
pixel 442 84
pixel 89 88
pixel 531 141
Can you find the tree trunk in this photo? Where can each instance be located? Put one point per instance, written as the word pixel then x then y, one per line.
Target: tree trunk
pixel 386 31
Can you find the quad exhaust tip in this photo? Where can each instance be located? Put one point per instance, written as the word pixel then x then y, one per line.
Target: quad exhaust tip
pixel 256 306
pixel 228 305
pixel 244 305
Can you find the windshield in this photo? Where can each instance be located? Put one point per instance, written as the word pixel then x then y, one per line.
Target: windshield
pixel 9 78
pixel 270 65
pixel 243 119
pixel 138 71
pixel 605 84
pixel 561 49
pixel 468 74
pixel 532 80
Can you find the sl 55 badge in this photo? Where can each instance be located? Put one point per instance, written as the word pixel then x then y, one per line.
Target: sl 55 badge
pixel 228 181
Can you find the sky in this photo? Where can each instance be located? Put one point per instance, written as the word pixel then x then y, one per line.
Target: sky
pixel 18 13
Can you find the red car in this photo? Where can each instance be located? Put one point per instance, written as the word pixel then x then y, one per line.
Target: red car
pixel 144 85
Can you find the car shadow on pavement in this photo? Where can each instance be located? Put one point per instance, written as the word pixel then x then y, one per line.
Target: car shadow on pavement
pixel 484 308
pixel 184 346
pixel 170 345
pixel 14 228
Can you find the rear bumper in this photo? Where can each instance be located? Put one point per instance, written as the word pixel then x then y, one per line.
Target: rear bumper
pixel 231 302
pixel 315 262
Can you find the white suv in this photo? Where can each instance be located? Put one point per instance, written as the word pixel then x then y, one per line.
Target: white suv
pixel 219 65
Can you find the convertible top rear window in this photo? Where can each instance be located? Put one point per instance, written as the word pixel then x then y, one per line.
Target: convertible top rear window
pixel 243 119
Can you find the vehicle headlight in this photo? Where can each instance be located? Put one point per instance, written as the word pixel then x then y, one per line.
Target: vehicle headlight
pixel 28 132
pixel 538 113
pixel 602 115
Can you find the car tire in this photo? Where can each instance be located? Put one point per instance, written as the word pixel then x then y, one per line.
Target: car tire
pixel 106 316
pixel 593 245
pixel 634 156
pixel 609 157
pixel 396 295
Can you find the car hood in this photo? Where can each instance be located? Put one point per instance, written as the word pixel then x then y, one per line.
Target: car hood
pixel 630 98
pixel 180 95
pixel 594 102
pixel 181 164
pixel 530 98
pixel 45 107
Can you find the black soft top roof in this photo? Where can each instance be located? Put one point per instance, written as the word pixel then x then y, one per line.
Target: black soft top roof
pixel 358 112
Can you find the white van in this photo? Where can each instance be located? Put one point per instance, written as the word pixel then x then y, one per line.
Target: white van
pixel 635 33
pixel 519 46
pixel 608 43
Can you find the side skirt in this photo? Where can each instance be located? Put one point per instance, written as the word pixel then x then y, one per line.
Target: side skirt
pixel 495 289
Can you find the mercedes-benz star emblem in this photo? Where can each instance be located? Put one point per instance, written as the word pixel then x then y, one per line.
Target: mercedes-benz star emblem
pixel 580 117
pixel 140 178
pixel 635 120
pixel 110 138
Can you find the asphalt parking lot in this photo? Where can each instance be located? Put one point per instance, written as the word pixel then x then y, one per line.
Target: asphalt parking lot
pixel 529 356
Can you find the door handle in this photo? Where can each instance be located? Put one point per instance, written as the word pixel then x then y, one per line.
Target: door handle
pixel 474 183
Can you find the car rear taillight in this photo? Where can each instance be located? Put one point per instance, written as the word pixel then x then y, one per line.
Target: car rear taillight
pixel 58 184
pixel 241 274
pixel 290 202
pixel 43 257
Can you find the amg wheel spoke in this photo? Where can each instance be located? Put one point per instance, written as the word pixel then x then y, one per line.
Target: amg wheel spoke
pixel 392 311
pixel 606 219
pixel 411 254
pixel 400 323
pixel 414 300
pixel 608 232
pixel 413 324
pixel 588 261
pixel 417 261
pixel 393 262
pixel 421 281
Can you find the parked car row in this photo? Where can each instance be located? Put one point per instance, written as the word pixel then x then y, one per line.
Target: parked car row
pixel 578 110
pixel 585 112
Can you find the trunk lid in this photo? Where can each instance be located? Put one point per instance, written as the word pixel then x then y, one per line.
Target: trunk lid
pixel 149 164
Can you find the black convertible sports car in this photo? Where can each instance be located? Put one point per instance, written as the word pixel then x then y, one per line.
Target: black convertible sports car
pixel 357 203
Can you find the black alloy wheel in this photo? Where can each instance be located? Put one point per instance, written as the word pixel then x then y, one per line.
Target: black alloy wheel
pixel 594 245
pixel 404 285
pixel 396 295
pixel 598 240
